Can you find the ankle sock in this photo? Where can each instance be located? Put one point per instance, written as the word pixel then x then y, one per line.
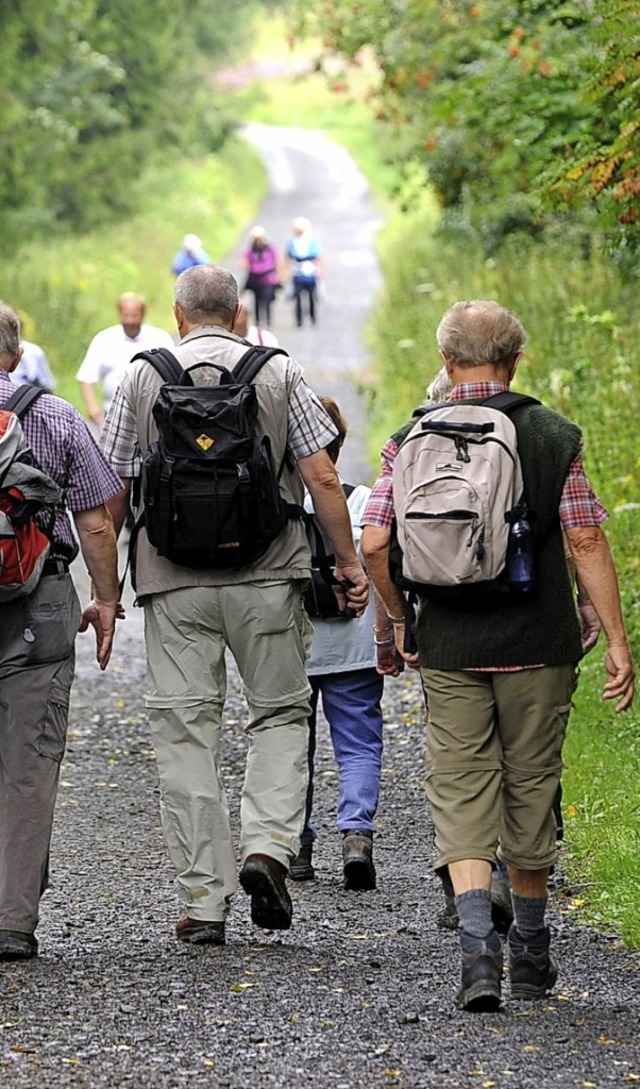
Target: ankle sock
pixel 529 915
pixel 474 912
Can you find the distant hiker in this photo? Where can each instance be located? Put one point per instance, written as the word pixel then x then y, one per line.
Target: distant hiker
pixel 37 637
pixel 500 672
pixel 261 261
pixel 111 350
pixel 347 664
pixel 192 615
pixel 33 369
pixel 305 263
pixel 191 253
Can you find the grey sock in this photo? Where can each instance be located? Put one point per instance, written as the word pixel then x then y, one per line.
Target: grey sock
pixel 474 912
pixel 529 914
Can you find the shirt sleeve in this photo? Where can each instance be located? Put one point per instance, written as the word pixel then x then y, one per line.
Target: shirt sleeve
pixel 579 505
pixel 119 437
pixel 379 509
pixel 310 427
pixel 90 480
pixel 90 370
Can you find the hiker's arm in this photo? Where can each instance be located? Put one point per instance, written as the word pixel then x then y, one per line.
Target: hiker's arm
pixel 330 506
pixel 374 545
pixel 100 553
pixel 119 505
pixel 88 391
pixel 598 580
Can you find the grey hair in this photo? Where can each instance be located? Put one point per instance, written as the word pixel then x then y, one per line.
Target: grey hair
pixel 439 389
pixel 480 331
pixel 207 292
pixel 9 330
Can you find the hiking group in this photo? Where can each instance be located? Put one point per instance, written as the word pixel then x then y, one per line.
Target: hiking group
pixel 477 557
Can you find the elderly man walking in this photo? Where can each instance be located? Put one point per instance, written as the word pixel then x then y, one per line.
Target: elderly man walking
pixel 37 638
pixel 500 678
pixel 192 616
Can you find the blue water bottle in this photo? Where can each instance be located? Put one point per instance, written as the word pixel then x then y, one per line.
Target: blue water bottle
pixel 520 558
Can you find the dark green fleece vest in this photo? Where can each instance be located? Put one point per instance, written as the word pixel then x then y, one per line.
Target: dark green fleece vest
pixel 542 631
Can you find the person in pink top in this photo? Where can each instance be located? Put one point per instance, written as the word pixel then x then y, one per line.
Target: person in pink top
pixel 261 261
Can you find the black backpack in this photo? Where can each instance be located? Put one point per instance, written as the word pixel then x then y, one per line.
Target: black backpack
pixel 210 489
pixel 319 598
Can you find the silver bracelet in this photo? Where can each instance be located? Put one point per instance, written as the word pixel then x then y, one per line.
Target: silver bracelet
pixel 384 642
pixel 396 619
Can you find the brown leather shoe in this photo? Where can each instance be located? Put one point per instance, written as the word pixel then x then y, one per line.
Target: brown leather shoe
pixel 263 879
pixel 200 931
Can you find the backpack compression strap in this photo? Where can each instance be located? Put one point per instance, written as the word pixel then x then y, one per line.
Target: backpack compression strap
pixel 20 402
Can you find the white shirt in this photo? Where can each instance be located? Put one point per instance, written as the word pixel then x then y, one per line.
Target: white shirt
pixel 257 335
pixel 33 369
pixel 111 350
pixel 342 645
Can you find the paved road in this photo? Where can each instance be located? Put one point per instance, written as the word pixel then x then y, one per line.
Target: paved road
pixel 359 994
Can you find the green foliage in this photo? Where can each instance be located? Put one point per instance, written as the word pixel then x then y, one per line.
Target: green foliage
pixel 92 92
pixel 522 113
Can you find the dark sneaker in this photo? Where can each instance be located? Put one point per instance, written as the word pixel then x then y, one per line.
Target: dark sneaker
pixel 357 861
pixel 200 931
pixel 481 973
pixel 17 945
pixel 263 879
pixel 532 969
pixel 501 905
pixel 301 867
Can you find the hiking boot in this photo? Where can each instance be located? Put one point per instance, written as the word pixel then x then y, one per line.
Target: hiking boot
pixel 357 861
pixel 263 879
pixel 17 945
pixel 300 867
pixel 532 969
pixel 481 973
pixel 447 918
pixel 200 931
pixel 501 905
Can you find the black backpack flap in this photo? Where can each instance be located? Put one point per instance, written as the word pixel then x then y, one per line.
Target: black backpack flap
pixel 212 422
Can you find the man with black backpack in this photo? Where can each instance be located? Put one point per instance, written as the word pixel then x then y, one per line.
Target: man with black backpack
pixel 39 621
pixel 222 446
pixel 499 634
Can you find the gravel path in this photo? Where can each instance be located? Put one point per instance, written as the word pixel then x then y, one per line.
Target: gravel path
pixel 359 993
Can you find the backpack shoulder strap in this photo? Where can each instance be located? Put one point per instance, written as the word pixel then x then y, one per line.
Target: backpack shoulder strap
pixel 507 401
pixel 253 361
pixel 20 402
pixel 164 362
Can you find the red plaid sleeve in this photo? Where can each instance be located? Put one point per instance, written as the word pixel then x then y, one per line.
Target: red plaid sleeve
pixel 379 509
pixel 579 505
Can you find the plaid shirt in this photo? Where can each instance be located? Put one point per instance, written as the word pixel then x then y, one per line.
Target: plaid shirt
pixel 579 506
pixel 64 448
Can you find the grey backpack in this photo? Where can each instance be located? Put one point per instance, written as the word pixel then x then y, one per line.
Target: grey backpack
pixel 457 488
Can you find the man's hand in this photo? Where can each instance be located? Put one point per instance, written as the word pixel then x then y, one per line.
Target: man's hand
pixel 356 594
pixel 619 666
pixel 102 618
pixel 590 625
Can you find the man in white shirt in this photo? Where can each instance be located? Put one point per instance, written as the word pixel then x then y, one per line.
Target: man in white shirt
pixel 112 349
